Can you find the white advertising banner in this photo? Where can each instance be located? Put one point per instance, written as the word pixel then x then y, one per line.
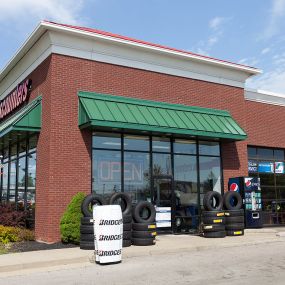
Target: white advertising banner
pixel 163 217
pixel 108 229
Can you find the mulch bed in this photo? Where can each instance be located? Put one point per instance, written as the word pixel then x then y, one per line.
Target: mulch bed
pixel 34 245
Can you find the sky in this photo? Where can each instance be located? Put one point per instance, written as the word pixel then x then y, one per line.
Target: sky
pixel 250 32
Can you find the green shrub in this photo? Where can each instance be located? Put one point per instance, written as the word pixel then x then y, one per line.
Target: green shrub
pixel 14 234
pixel 70 221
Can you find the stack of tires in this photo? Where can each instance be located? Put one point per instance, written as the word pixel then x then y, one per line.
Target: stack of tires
pixel 234 215
pixel 124 200
pixel 213 219
pixel 144 227
pixel 87 226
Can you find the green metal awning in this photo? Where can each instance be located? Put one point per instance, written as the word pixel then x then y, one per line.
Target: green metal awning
pixel 108 111
pixel 27 118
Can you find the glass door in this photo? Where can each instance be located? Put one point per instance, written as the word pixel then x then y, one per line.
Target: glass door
pixel 163 201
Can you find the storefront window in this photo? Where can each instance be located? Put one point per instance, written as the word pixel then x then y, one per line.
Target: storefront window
pixel 5 181
pixel 139 143
pixel 210 174
pixel 209 148
pixel 106 171
pixel 21 182
pixel 31 180
pixel 137 175
pixel 12 181
pixel 184 146
pixel 269 166
pixel 161 164
pixel 106 141
pixel 160 144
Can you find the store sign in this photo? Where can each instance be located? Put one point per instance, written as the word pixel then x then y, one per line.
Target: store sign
pixel 252 166
pixel 266 167
pixel 16 98
pixel 279 167
pixel 109 170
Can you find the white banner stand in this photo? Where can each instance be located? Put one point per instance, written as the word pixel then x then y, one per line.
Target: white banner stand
pixel 108 230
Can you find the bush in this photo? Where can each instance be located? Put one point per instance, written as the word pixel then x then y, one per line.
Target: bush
pixel 10 217
pixel 15 234
pixel 70 221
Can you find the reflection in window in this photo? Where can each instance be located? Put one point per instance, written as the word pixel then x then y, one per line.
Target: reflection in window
pixel 31 180
pixel 21 182
pixel 210 174
pixel 209 148
pixel 136 176
pixel 161 164
pixel 106 172
pixel 184 146
pixel 160 144
pixel 106 140
pixel 5 181
pixel 136 143
pixel 12 188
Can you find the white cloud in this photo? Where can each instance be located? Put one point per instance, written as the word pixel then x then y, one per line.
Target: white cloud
pixel 277 12
pixel 216 22
pixel 251 61
pixel 65 11
pixel 273 79
pixel 265 50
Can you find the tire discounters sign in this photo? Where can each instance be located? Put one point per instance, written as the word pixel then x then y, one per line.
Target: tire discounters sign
pixel 108 229
pixel 16 98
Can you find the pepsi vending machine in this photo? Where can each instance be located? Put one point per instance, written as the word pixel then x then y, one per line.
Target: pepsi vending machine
pixel 250 191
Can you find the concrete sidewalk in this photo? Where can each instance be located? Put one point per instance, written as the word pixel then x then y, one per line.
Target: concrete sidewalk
pixel 166 244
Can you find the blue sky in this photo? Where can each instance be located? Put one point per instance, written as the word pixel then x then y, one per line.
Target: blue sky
pixel 249 32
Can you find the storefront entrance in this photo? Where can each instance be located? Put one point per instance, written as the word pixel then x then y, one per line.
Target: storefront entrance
pixel 172 173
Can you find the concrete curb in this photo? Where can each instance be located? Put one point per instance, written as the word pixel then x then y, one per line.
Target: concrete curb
pixel 16 262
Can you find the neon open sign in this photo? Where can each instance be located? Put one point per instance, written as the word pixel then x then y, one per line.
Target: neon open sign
pixel 109 171
pixel 17 97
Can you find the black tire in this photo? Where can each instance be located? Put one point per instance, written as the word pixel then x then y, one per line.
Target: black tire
pixel 87 237
pixel 142 206
pixel 127 242
pixel 90 200
pixel 232 196
pixel 127 219
pixel 88 221
pixel 236 226
pixel 127 235
pixel 144 227
pixel 208 201
pixel 233 220
pixel 220 234
pixel 213 214
pixel 235 233
pixel 144 234
pixel 84 229
pixel 87 245
pixel 213 228
pixel 213 220
pixel 234 213
pixel 143 241
pixel 126 206
pixel 127 227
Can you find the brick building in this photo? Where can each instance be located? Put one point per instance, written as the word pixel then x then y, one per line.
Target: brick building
pixel 85 110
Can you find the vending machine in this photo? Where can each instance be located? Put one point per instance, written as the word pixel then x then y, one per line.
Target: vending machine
pixel 250 191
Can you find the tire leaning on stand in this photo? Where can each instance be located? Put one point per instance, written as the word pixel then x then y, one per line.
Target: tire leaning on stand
pixel 232 196
pixel 138 209
pixel 127 201
pixel 89 201
pixel 208 198
pixel 87 245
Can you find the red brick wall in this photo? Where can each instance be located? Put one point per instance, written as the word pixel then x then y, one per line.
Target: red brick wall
pixel 265 124
pixel 64 152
